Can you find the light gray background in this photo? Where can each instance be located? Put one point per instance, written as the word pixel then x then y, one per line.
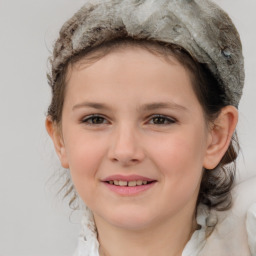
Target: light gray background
pixel 33 221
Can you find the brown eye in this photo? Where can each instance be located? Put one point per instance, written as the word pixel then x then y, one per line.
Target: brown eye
pixel 94 119
pixel 161 120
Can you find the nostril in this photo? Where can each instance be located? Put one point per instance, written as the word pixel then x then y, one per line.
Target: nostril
pixel 126 152
pixel 125 160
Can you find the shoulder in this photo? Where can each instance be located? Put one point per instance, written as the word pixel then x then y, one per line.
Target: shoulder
pixel 235 231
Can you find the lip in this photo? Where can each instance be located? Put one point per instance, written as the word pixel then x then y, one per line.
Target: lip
pixel 126 190
pixel 129 191
pixel 126 178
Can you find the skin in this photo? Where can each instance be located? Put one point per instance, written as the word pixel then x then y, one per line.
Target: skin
pixel 131 86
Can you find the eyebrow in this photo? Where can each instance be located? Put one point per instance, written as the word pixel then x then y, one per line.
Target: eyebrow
pixel 159 105
pixel 145 107
pixel 91 105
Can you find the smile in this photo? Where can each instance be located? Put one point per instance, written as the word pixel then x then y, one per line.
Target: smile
pixel 132 183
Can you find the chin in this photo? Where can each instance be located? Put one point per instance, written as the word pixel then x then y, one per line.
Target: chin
pixel 130 219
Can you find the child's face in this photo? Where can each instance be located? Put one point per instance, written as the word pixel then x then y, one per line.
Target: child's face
pixel 134 116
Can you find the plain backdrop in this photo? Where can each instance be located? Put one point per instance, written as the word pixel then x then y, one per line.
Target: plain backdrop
pixel 33 221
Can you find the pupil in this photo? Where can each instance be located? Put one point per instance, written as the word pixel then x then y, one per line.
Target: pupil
pixel 97 120
pixel 159 120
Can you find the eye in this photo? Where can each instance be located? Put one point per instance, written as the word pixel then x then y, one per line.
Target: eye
pixel 161 120
pixel 94 120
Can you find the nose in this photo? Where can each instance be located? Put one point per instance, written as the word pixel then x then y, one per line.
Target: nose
pixel 125 146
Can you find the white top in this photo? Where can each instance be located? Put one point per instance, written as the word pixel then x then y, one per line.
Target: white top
pixel 233 231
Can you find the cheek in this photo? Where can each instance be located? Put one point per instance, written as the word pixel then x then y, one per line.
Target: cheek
pixel 180 161
pixel 84 154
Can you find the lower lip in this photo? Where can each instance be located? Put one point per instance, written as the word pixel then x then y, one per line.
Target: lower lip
pixel 129 191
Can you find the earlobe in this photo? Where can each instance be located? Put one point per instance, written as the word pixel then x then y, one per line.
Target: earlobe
pixel 55 134
pixel 221 133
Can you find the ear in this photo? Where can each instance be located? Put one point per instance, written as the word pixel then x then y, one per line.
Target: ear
pixel 55 134
pixel 220 136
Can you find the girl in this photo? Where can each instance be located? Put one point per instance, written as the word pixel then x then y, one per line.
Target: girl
pixel 143 116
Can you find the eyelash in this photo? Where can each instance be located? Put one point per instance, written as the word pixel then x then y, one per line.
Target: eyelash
pixel 163 119
pixel 88 120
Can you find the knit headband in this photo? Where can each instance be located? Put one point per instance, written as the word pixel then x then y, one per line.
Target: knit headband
pixel 201 27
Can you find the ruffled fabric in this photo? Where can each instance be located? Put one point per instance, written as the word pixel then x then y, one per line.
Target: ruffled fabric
pixel 207 221
pixel 88 244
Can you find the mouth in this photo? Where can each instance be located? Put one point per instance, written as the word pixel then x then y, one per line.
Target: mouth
pixel 129 185
pixel 132 183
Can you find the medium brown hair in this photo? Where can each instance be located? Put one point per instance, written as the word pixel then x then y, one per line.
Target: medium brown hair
pixel 216 184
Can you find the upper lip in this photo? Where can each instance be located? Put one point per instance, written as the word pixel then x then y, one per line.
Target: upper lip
pixel 127 178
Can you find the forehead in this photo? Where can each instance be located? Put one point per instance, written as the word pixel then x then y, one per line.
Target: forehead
pixel 169 53
pixel 130 73
pixel 133 60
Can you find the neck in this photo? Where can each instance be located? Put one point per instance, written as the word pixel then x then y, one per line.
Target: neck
pixel 166 238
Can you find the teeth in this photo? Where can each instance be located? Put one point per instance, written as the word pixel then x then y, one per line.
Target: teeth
pixel 122 183
pixel 139 182
pixel 132 183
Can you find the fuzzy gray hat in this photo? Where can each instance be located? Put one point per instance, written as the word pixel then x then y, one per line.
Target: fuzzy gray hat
pixel 199 26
